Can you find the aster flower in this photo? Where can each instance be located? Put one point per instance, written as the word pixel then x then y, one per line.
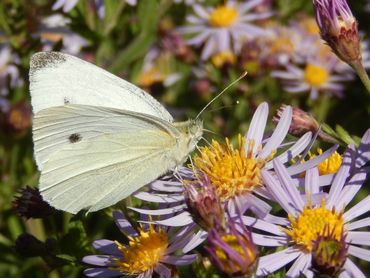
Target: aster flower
pixel 235 172
pixel 315 77
pixel 150 250
pixel 309 218
pixel 224 28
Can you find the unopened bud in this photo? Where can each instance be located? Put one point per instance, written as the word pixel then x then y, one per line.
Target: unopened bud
pixel 232 250
pixel 329 254
pixel 339 28
pixel 302 122
pixel 29 204
pixel 203 203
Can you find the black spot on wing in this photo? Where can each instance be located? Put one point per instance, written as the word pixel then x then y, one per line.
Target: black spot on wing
pixel 46 59
pixel 74 138
pixel 66 100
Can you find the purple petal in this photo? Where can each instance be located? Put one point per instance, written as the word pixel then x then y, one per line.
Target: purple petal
pixel 163 270
pixel 358 224
pixel 359 252
pixel 167 186
pixel 159 198
pixel 262 225
pixel 279 134
pixel 197 239
pixel 350 189
pixel 268 240
pixel 363 152
pixel 312 181
pixel 272 262
pixel 100 260
pixel 123 224
pixel 360 238
pixel 299 266
pixel 159 211
pixel 360 208
pixel 107 247
pixel 302 167
pixel 294 150
pixel 257 126
pixel 179 220
pixel 180 260
pixel 288 184
pixel 352 270
pixel 282 221
pixel 339 181
pixel 101 272
pixel 279 194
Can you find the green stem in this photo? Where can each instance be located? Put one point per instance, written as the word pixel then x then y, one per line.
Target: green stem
pixel 361 72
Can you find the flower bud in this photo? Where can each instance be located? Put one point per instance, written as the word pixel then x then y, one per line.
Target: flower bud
pixel 28 246
pixel 302 122
pixel 203 203
pixel 29 204
pixel 329 254
pixel 339 28
pixel 232 251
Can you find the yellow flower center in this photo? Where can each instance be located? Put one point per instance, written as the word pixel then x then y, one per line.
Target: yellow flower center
pixel 316 75
pixel 232 171
pixel 330 165
pixel 314 222
pixel 144 252
pixel 223 16
pixel 150 77
pixel 250 253
pixel 222 58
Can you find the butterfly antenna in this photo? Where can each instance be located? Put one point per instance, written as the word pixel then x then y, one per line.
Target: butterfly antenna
pixel 223 91
pixel 177 176
pixel 310 145
pixel 205 140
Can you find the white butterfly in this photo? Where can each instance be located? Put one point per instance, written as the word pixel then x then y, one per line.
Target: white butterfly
pixel 98 138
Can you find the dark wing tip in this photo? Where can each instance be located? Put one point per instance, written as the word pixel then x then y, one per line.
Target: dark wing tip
pixel 46 59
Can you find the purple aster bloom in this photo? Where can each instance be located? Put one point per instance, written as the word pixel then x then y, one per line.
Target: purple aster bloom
pixel 224 28
pixel 150 250
pixel 310 214
pixel 338 27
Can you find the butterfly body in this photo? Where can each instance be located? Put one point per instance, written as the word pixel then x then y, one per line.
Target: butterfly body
pixel 98 138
